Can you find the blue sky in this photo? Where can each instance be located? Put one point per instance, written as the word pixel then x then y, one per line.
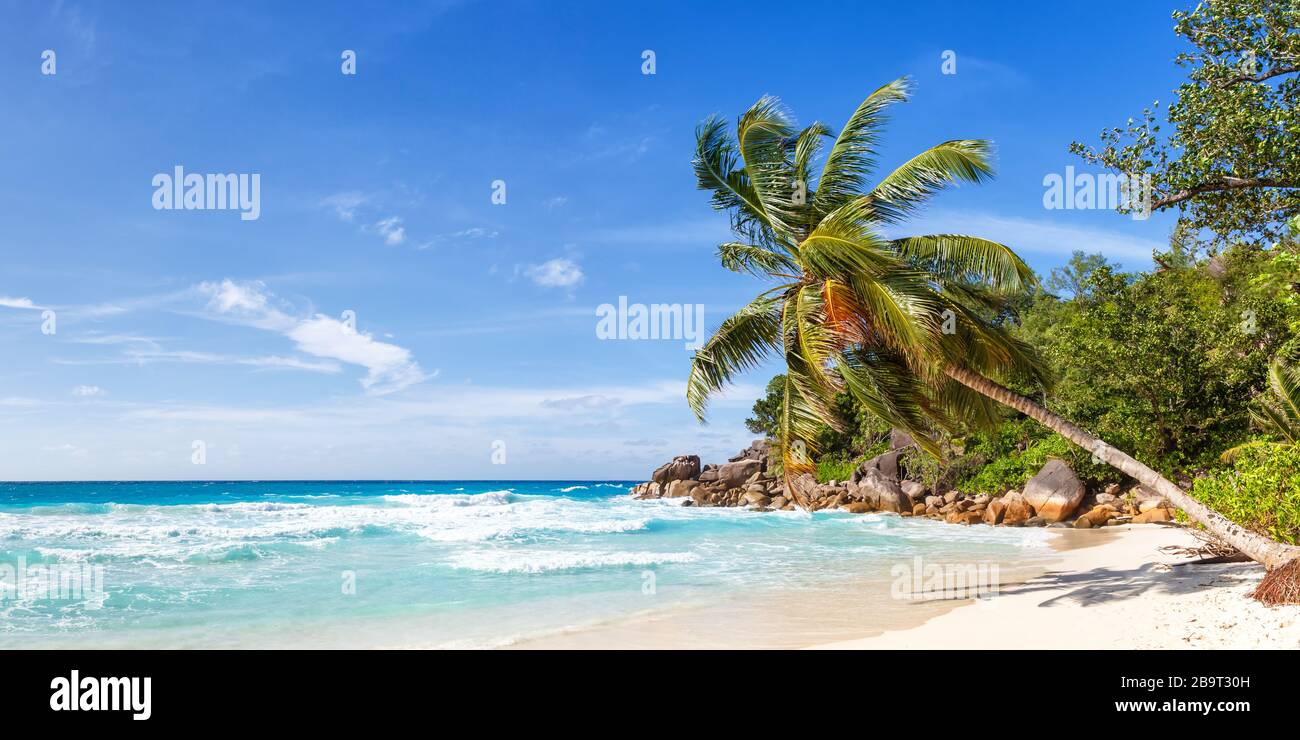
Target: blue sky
pixel 475 322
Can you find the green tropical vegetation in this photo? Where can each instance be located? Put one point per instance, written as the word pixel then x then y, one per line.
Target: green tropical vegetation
pixel 1148 376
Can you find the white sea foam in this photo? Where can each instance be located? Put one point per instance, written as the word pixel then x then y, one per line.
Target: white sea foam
pixel 194 532
pixel 571 489
pixel 542 561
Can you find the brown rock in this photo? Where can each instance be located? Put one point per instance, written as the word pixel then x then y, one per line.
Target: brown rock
pixel 1054 492
pixel 738 473
pixel 1152 516
pixel 1147 499
pixel 1017 512
pixel 1152 504
pixel 679 488
pixel 757 450
pixel 756 498
pixel 886 464
pixel 880 492
pixel 857 507
pixel 994 511
pixel 682 467
pixel 918 509
pixel 913 489
pixel 898 439
pixel 1098 515
pixel 1108 499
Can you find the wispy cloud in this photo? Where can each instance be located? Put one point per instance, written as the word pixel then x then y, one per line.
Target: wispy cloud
pixel 21 303
pixel 390 368
pixel 560 272
pixel 392 230
pixel 345 205
pixel 1039 236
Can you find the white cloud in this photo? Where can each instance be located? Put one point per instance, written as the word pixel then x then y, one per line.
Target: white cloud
pixel 71 449
pixel 475 232
pixel 589 402
pixel 1047 237
pixel 88 391
pixel 291 363
pixel 389 367
pixel 560 272
pixel 230 296
pixel 7 302
pixel 352 205
pixel 345 205
pixel 392 230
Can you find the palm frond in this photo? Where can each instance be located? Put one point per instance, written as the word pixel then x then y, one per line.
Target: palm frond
pixel 718 169
pixel 907 188
pixel 741 342
pixel 765 138
pixel 1280 415
pixel 754 259
pixel 841 246
pixel 1284 380
pixel 883 384
pixel 851 158
pixel 967 258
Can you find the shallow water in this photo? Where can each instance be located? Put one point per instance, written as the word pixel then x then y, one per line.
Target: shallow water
pixel 458 564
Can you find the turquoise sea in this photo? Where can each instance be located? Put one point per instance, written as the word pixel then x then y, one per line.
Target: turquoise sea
pixel 455 564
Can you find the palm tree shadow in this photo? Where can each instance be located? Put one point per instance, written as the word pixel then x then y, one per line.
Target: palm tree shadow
pixel 1105 585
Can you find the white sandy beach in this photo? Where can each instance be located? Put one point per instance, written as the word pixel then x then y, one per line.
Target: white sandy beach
pixel 1114 589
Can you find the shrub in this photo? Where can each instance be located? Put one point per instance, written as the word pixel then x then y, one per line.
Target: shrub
pixel 1012 467
pixel 835 468
pixel 1260 490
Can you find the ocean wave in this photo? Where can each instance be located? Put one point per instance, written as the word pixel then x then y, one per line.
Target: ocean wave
pixel 488 498
pixel 570 489
pixel 186 533
pixel 520 561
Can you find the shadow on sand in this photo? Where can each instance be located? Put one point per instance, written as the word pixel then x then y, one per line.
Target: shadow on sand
pixel 1103 585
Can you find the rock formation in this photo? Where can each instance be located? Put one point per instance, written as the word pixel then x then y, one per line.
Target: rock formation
pixel 1054 496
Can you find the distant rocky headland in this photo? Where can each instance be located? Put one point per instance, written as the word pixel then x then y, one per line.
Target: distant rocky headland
pixel 1053 497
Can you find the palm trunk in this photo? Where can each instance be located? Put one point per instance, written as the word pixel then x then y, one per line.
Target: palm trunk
pixel 1257 547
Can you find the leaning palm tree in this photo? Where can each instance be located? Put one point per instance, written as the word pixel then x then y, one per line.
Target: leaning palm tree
pixel 901 324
